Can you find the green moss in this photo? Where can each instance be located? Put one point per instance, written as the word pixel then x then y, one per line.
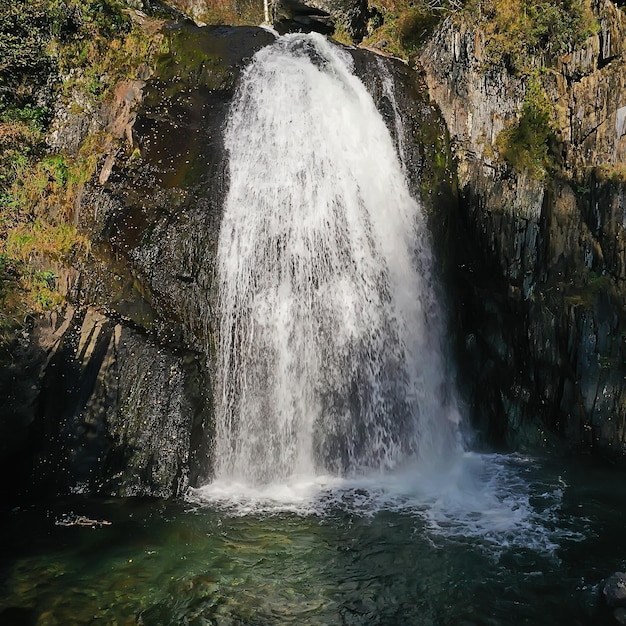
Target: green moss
pixel 39 238
pixel 414 26
pixel 406 24
pixel 615 173
pixel 587 287
pixel 516 31
pixel 342 35
pixel 238 13
pixel 193 59
pixel 42 287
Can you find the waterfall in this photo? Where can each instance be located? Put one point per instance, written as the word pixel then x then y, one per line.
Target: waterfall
pixel 330 343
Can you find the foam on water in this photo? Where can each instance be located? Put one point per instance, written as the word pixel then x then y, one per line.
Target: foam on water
pixel 500 501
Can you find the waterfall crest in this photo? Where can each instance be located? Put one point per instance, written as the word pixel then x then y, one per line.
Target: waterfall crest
pixel 330 346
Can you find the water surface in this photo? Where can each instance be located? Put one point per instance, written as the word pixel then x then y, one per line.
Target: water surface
pixel 350 555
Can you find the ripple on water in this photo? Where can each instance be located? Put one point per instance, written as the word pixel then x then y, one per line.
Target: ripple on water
pixel 501 502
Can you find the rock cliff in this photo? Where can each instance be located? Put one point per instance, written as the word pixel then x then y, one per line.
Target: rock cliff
pixel 120 387
pixel 113 394
pixel 542 285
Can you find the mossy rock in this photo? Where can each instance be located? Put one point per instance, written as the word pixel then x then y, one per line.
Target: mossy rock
pixel 208 56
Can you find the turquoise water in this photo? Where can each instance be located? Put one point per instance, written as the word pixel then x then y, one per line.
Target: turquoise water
pixel 349 557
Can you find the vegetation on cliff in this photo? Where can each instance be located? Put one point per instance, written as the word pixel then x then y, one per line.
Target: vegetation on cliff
pixel 515 30
pixel 522 36
pixel 526 37
pixel 77 50
pixel 55 54
pixel 529 144
pixel 519 31
pixel 220 12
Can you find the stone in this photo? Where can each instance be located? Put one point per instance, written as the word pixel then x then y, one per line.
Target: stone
pixel 615 590
pixel 295 16
pixel 351 15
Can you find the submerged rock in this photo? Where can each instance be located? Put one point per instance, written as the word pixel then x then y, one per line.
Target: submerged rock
pixel 614 590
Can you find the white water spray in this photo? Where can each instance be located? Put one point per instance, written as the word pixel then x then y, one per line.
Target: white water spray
pixel 330 357
pixel 330 333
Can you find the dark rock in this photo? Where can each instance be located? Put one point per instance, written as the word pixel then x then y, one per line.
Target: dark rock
pixel 540 286
pixel 117 412
pixel 615 590
pixel 294 16
pixel 322 16
pixel 19 389
pixel 352 15
pixel 18 616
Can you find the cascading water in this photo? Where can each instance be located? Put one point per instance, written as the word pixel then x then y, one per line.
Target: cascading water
pixel 334 406
pixel 330 333
pixel 333 389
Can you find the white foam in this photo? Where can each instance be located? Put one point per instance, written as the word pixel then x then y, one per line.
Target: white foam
pixel 495 500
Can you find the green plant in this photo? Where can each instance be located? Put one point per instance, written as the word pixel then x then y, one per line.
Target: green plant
pixel 52 48
pixel 615 173
pixel 415 25
pixel 34 117
pixel 57 168
pixel 405 25
pixel 517 30
pixel 41 285
pixel 525 145
pixel 39 238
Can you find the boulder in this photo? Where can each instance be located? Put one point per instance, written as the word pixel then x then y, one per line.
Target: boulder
pixel 294 16
pixel 614 590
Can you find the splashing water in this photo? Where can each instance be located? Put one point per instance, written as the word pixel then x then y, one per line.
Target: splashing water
pixel 333 390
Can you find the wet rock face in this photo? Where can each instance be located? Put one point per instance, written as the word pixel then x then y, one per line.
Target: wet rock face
pixel 352 15
pixel 323 16
pixel 117 411
pixel 541 287
pixel 124 379
pixel 121 386
pixel 292 16
pixel 159 217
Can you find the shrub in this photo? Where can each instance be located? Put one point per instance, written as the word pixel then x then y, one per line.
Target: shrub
pixel 415 25
pixel 406 24
pixel 526 144
pixel 518 29
pixel 93 44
